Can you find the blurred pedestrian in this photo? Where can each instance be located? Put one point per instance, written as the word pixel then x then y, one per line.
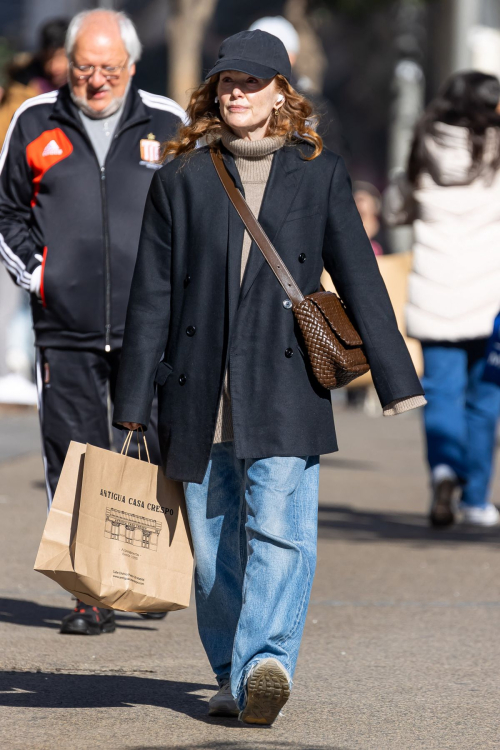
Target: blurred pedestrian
pixel 241 417
pixel 369 204
pixel 75 172
pixel 49 67
pixel 18 89
pixel 327 122
pixel 453 196
pixel 28 75
pixel 368 201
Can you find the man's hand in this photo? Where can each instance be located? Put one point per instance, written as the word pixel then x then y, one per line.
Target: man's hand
pixel 130 425
pixel 36 281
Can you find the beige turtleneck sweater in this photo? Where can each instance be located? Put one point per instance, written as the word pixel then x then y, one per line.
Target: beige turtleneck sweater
pixel 253 160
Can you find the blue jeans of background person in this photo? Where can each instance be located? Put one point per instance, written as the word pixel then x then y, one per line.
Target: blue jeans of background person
pixel 461 414
pixel 254 529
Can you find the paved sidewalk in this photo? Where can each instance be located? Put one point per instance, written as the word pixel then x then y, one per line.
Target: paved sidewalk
pixel 19 432
pixel 401 649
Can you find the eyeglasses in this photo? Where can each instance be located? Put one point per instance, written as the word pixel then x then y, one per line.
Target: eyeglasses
pixel 109 72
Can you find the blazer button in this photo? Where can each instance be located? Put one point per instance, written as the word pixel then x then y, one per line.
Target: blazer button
pixel 187 280
pixel 191 330
pixel 302 258
pixel 287 304
pixel 288 353
pixel 182 379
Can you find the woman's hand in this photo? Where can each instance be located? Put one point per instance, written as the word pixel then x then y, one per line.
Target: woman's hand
pixel 130 425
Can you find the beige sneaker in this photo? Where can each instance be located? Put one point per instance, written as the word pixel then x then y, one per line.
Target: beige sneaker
pixel 267 690
pixel 223 703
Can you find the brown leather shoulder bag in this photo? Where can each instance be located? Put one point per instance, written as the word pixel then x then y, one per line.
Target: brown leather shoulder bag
pixel 334 346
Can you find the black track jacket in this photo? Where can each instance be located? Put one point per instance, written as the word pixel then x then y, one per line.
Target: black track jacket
pixel 58 207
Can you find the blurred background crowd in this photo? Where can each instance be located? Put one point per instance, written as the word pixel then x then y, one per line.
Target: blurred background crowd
pixel 370 67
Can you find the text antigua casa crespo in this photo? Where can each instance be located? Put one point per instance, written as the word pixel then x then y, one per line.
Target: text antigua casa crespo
pixel 133 501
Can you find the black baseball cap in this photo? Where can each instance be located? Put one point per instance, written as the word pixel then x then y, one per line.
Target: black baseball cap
pixel 256 53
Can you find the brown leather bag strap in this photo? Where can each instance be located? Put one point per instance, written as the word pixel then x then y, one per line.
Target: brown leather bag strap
pixel 256 232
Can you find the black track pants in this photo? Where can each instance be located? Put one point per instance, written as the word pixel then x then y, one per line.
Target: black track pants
pixel 76 390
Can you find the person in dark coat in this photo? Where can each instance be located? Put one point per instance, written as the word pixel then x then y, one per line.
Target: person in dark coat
pixel 242 420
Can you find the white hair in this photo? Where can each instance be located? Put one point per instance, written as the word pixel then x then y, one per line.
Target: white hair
pixel 283 29
pixel 128 32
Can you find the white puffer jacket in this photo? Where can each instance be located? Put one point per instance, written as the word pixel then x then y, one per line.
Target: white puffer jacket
pixel 454 288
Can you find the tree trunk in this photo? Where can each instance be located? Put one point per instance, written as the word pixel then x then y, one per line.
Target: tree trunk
pixel 185 30
pixel 311 61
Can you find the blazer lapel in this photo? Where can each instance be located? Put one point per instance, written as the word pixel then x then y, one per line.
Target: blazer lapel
pixel 284 181
pixel 236 231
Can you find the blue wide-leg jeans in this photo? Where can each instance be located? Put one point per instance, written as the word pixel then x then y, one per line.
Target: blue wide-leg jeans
pixel 461 414
pixel 254 529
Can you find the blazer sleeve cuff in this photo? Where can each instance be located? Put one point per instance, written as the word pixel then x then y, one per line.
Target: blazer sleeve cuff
pixel 401 405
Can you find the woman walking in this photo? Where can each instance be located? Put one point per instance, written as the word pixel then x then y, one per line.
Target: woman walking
pixel 242 418
pixel 454 291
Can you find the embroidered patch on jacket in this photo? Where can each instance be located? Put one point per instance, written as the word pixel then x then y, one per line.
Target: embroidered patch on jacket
pixel 150 152
pixel 51 147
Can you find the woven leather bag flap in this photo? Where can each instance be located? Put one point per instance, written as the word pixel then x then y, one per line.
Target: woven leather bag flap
pixel 333 310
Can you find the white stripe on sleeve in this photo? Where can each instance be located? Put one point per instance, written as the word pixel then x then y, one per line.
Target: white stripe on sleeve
pixel 155 101
pixel 11 260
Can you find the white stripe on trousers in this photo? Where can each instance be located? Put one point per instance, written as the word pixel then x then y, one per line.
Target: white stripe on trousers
pixel 39 391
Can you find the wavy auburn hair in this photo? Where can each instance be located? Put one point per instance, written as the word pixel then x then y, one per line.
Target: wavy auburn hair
pixel 294 120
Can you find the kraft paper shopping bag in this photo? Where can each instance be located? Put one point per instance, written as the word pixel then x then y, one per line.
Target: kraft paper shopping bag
pixel 128 538
pixel 54 558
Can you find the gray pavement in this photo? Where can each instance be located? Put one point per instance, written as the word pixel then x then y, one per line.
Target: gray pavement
pixel 19 432
pixel 401 646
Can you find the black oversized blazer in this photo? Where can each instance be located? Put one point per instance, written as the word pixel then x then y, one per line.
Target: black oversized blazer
pixel 186 309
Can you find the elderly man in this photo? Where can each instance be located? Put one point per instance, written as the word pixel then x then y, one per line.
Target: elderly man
pixel 74 174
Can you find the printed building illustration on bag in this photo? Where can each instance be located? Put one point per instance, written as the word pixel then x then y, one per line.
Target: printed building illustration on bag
pixel 131 529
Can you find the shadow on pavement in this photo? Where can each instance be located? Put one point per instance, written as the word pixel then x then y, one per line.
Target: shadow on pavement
pixel 354 464
pixel 22 612
pixel 350 524
pixel 49 690
pixel 237 745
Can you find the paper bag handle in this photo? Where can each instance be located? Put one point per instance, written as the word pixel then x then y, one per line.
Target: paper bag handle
pixel 128 440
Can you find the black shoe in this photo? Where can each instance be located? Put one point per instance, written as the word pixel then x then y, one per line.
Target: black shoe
pixel 87 620
pixel 153 615
pixel 444 505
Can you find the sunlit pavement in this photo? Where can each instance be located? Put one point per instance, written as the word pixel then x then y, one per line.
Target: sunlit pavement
pixel 401 648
